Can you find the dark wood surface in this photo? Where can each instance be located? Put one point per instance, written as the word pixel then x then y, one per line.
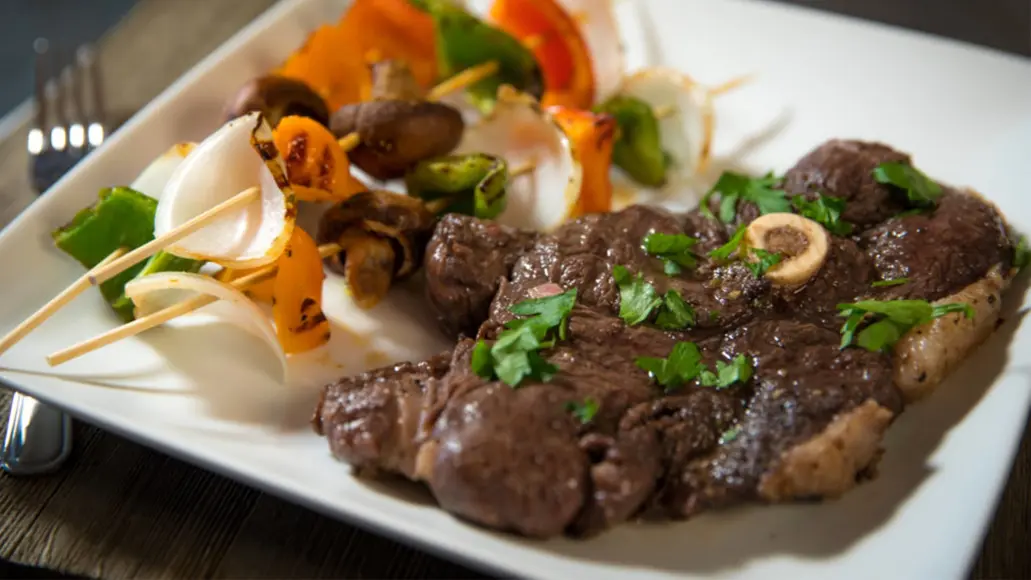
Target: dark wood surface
pixel 120 510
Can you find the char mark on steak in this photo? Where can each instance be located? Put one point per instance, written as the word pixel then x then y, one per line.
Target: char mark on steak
pixel 807 422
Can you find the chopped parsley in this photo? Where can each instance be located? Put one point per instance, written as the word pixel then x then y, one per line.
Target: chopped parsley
pixel 922 191
pixel 739 370
pixel 637 298
pixel 735 187
pixel 892 282
pixel 585 410
pixel 766 260
pixel 673 249
pixel 724 252
pixel 674 312
pixel 893 318
pixel 514 356
pixel 1021 254
pixel 683 365
pixel 730 435
pixel 825 210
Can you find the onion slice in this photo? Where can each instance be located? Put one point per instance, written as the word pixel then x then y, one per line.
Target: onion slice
pixel 518 131
pixel 685 112
pixel 238 156
pixel 156 292
pixel 600 31
pixel 152 180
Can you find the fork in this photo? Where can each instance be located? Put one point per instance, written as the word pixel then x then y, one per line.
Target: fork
pixel 39 437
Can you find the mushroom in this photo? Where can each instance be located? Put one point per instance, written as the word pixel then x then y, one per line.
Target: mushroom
pixel 382 234
pixel 802 243
pixel 396 127
pixel 277 97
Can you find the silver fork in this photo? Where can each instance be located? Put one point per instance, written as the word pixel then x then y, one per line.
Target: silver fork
pixel 39 437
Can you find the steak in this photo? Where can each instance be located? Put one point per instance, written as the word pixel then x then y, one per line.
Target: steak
pixel 807 423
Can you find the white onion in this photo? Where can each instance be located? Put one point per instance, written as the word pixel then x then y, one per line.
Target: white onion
pixel 600 31
pixel 156 292
pixel 220 167
pixel 518 131
pixel 155 177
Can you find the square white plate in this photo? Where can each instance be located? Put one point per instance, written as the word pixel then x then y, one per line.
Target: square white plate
pixel 965 114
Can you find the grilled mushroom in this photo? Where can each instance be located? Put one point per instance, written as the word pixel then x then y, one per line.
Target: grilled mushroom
pixel 277 97
pixel 396 127
pixel 802 243
pixel 382 234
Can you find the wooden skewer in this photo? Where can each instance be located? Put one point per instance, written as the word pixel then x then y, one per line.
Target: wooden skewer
pixel 164 315
pixel 459 81
pixel 110 268
pixel 66 296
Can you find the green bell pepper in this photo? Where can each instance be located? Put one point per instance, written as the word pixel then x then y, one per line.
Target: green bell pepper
pixel 476 183
pixel 638 148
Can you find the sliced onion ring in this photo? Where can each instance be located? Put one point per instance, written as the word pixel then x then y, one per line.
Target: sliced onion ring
pixel 518 131
pixel 238 156
pixel 156 292
pixel 152 180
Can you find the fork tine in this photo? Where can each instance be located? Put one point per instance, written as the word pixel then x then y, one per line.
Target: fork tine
pixel 41 75
pixel 87 58
pixel 81 117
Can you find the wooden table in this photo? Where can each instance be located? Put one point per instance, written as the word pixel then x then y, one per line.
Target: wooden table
pixel 120 510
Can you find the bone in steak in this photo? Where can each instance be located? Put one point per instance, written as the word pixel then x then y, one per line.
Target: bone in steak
pixel 807 424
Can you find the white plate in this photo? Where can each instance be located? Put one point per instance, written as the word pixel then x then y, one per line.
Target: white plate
pixel 964 112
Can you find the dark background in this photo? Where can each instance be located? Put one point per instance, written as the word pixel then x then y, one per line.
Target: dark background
pixel 1000 24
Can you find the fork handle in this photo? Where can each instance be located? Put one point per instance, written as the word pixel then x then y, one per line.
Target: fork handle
pixel 39 437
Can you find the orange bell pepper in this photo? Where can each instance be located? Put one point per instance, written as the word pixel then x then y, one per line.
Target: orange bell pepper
pixel 316 165
pixel 334 60
pixel 297 296
pixel 260 292
pixel 553 35
pixel 593 136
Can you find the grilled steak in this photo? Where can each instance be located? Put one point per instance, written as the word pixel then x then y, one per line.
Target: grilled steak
pixel 806 424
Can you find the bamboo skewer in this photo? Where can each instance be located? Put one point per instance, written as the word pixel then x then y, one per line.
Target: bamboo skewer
pixel 66 296
pixel 110 268
pixel 164 315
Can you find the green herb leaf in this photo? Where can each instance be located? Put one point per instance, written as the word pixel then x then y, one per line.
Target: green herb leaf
pixel 1021 254
pixel 583 411
pixel 514 355
pixel 683 364
pixel 674 312
pixel 739 370
pixel 637 298
pixel 766 261
pixel 892 282
pixel 893 318
pixel 825 210
pixel 673 249
pixel 922 191
pixel 730 435
pixel 724 252
pixel 735 187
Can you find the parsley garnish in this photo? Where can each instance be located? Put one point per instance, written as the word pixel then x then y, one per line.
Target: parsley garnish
pixel 825 210
pixel 766 261
pixel 637 298
pixel 675 313
pixel 513 356
pixel 739 370
pixel 673 249
pixel 683 364
pixel 583 411
pixel 1021 254
pixel 892 282
pixel 894 319
pixel 922 191
pixel 734 187
pixel 725 251
pixel 730 435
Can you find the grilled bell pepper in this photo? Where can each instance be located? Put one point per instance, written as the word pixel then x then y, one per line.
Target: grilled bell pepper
pixel 297 296
pixel 476 183
pixel 316 165
pixel 592 135
pixel 121 218
pixel 554 37
pixel 638 149
pixel 463 41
